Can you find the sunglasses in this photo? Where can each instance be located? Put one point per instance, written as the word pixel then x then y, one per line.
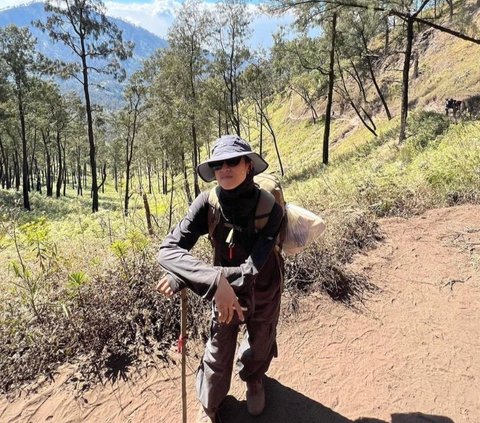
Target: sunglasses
pixel 229 162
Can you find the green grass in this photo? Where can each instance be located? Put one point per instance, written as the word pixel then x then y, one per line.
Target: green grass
pixel 61 264
pixel 437 164
pixel 77 284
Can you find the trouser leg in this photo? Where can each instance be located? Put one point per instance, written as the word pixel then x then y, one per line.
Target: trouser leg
pixel 259 344
pixel 215 371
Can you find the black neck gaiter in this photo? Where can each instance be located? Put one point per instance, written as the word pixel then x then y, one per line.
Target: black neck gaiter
pixel 239 202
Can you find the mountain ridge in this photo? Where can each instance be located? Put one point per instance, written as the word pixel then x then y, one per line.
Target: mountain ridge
pixel 146 43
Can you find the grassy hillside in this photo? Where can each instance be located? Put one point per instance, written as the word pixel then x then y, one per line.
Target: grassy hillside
pixel 79 287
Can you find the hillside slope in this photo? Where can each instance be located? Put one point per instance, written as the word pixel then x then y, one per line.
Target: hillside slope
pixel 447 68
pixel 409 354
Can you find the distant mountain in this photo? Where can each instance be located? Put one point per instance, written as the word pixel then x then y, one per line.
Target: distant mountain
pixel 110 95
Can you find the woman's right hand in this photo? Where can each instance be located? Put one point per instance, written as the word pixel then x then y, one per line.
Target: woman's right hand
pixel 226 302
pixel 163 287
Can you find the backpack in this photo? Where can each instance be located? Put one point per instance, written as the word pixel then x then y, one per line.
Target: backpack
pixel 299 229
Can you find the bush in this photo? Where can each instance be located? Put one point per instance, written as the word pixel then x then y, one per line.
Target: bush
pixel 104 325
pixel 322 266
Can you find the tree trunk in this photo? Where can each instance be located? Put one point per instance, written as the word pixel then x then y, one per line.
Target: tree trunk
pixel 26 199
pixel 30 165
pixel 186 185
pixel 260 125
pixel 130 141
pixel 60 174
pixel 5 178
pixel 387 35
pixel 164 177
pixel 269 127
pixel 415 66
pixel 450 7
pixel 104 177
pixel 38 185
pixel 127 189
pixel 48 173
pixel 195 158
pixel 406 72
pixel 194 129
pixel 65 174
pixel 350 100
pixel 237 109
pixel 149 176
pixel 115 176
pixel 79 174
pixel 91 139
pixel 358 80
pixel 148 215
pixel 272 132
pixel 48 164
pixel 331 80
pixel 374 79
pixel 170 210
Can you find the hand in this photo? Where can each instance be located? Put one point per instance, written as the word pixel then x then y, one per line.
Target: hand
pixel 226 302
pixel 163 287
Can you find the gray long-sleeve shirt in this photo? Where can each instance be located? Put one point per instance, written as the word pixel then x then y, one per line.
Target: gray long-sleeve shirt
pixel 254 260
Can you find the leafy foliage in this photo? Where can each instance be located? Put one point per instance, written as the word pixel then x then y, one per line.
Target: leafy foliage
pixel 80 288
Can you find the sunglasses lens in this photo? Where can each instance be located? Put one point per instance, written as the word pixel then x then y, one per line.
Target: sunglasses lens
pixel 216 165
pixel 230 163
pixel 233 162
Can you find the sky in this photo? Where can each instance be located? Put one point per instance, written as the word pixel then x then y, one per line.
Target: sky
pixel 157 15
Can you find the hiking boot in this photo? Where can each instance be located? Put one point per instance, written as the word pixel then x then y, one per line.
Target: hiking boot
pixel 255 397
pixel 205 416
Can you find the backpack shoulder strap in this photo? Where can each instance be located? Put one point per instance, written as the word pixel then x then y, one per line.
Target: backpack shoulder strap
pixel 213 210
pixel 264 208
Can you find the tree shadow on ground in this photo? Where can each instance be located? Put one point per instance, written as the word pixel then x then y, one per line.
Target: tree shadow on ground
pixel 285 405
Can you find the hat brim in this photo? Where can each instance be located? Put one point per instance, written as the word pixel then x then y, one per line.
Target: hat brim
pixel 208 175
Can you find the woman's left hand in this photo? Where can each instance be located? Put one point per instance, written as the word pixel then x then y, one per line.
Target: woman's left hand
pixel 163 287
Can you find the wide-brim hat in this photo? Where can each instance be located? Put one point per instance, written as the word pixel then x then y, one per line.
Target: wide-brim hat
pixel 228 147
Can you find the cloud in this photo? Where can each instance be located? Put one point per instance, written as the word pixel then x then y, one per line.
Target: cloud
pixel 158 15
pixel 4 4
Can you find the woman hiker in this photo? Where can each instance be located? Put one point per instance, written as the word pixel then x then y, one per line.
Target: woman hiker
pixel 245 281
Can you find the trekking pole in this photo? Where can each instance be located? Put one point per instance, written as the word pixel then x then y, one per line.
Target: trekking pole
pixel 182 344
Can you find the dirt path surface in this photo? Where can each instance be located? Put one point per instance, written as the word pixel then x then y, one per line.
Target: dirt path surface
pixel 410 354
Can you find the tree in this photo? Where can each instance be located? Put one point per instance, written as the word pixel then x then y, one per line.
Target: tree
pixel 328 20
pixel 259 88
pixel 358 28
pixel 298 66
pixel 19 59
pixel 311 12
pixel 169 116
pixel 129 121
pixel 331 82
pixel 187 42
pixel 231 53
pixel 96 44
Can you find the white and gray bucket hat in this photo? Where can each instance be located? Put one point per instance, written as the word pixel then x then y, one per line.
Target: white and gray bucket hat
pixel 228 147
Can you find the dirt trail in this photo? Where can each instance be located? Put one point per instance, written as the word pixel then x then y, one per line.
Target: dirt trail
pixel 410 354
